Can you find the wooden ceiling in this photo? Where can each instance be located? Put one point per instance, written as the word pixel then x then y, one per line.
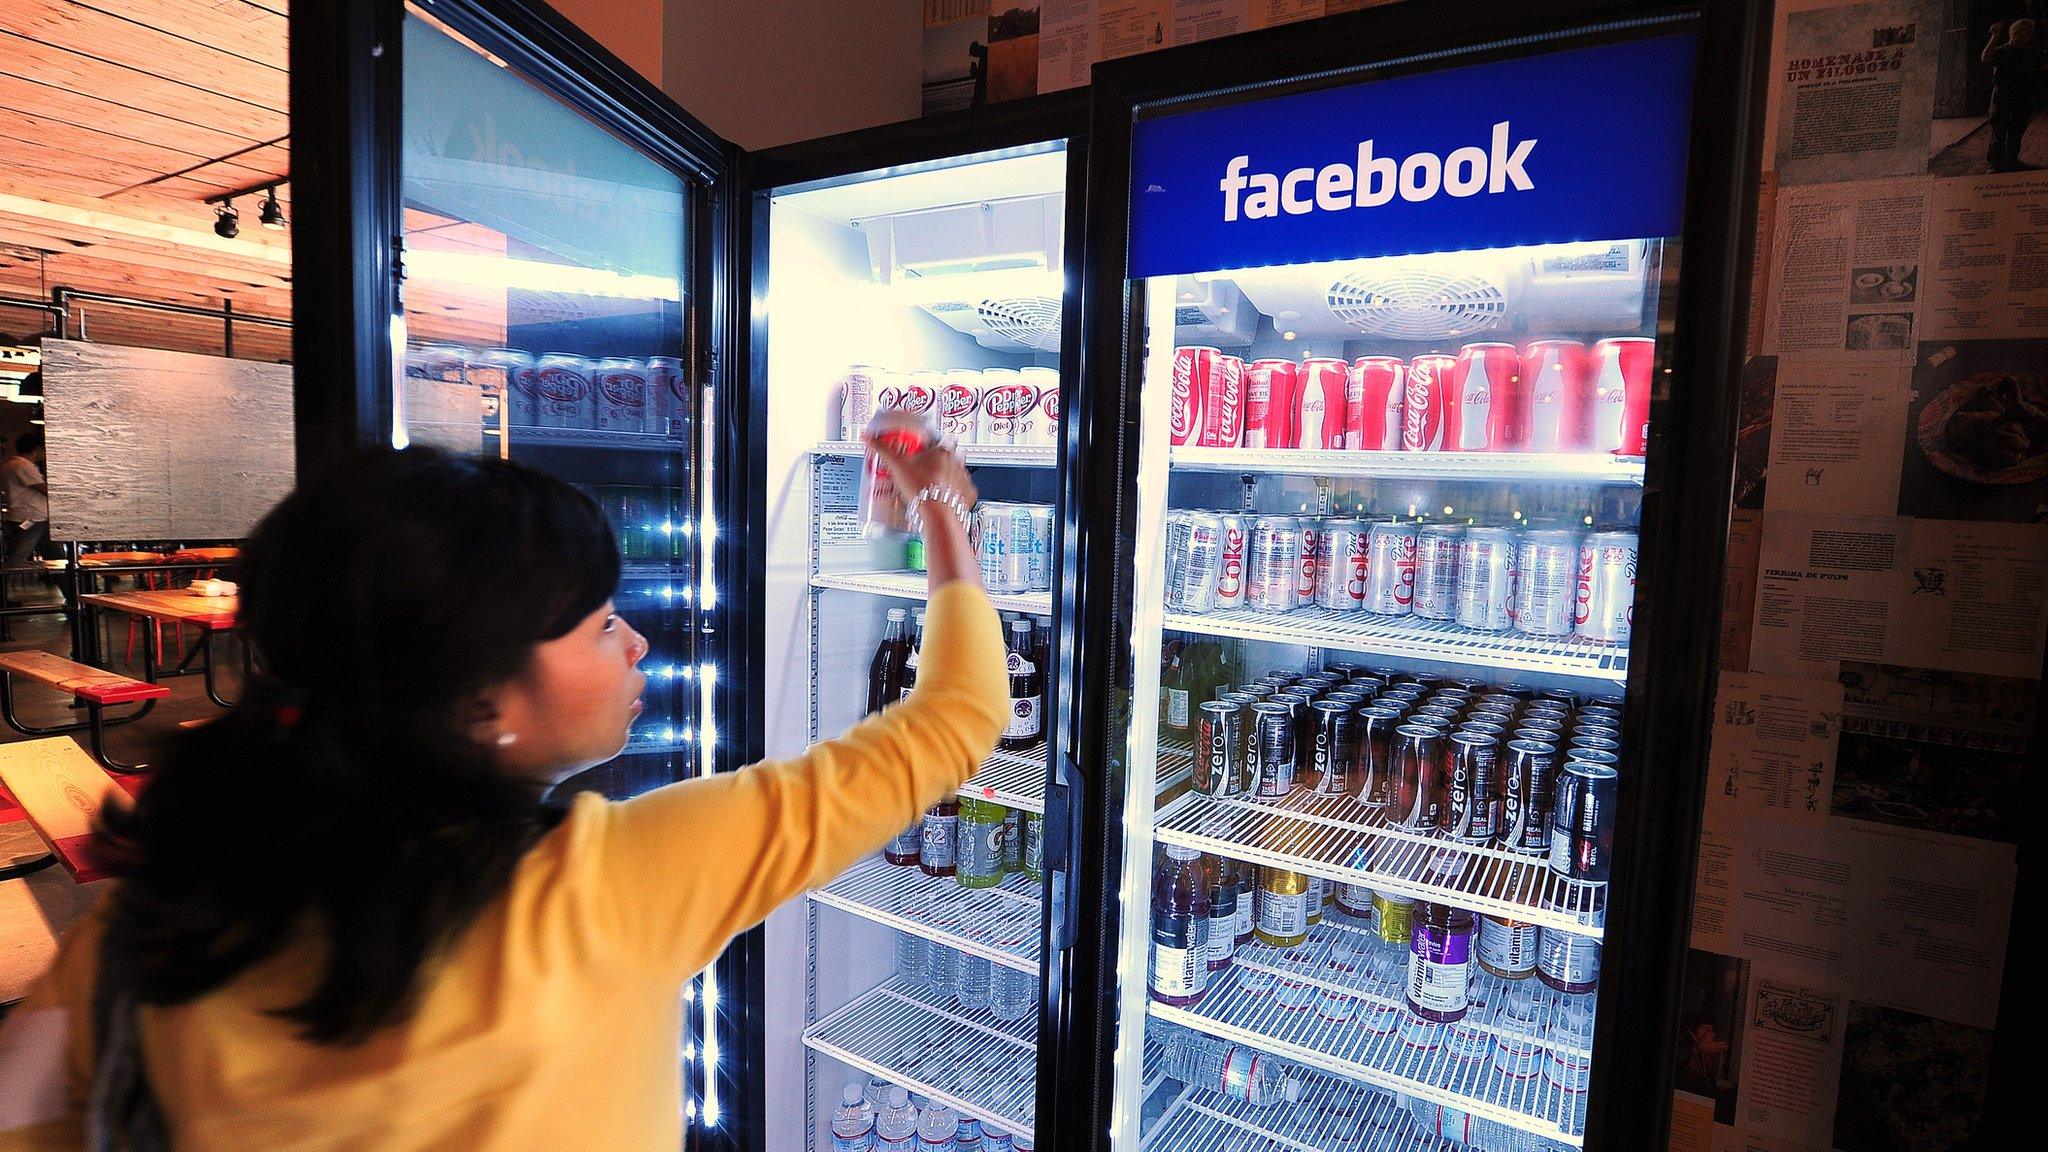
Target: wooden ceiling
pixel 118 119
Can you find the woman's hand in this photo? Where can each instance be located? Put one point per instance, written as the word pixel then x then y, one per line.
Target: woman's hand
pixel 949 555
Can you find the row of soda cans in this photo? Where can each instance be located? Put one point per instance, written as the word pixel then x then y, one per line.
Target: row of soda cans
pixel 1014 542
pixel 1547 396
pixel 1551 582
pixel 563 389
pixel 968 405
pixel 1526 771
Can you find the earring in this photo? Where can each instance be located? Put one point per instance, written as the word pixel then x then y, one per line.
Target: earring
pixel 507 739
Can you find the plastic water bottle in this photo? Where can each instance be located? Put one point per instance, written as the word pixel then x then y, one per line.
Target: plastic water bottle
pixel 994 1139
pixel 1569 1065
pixel 853 1122
pixel 977 973
pixel 876 1094
pixel 967 1138
pixel 913 961
pixel 1230 1070
pixel 1014 993
pixel 945 967
pixel 936 1129
pixel 896 1127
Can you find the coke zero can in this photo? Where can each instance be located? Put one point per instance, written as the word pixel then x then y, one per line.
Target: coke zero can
pixel 1382 383
pixel 1273 744
pixel 1436 570
pixel 1333 747
pixel 1273 575
pixel 1486 568
pixel 1472 789
pixel 1371 783
pixel 1546 579
pixel 1219 759
pixel 1606 594
pixel 1418 792
pixel 1525 796
pixel 1390 569
pixel 1560 400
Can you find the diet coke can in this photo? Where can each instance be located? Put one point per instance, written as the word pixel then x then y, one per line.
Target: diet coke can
pixel 1311 541
pixel 1194 542
pixel 1605 604
pixel 856 401
pixel 1486 574
pixel 1273 575
pixel 1230 561
pixel 1390 569
pixel 1006 404
pixel 1560 397
pixel 1324 383
pixel 1266 423
pixel 1342 550
pixel 1621 371
pixel 562 385
pixel 1426 407
pixel 1546 581
pixel 960 406
pixel 1436 570
pixel 1032 427
pixel 1382 385
pixel 1486 386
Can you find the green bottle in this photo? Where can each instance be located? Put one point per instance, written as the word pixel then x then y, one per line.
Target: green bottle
pixel 982 827
pixel 913 554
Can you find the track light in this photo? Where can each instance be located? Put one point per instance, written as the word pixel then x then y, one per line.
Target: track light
pixel 272 213
pixel 227 223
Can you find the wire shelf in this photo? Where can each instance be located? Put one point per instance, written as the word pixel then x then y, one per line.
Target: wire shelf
pixel 1012 779
pixel 990 921
pixel 1413 637
pixel 1339 839
pixel 525 437
pixel 1421 1060
pixel 967 1061
pixel 1597 467
pixel 974 455
pixel 1176 763
pixel 913 586
pixel 1333 1115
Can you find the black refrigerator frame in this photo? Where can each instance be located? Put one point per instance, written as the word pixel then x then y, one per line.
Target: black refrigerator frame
pixel 1688 482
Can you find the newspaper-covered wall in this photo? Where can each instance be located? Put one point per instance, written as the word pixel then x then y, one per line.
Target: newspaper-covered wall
pixel 1886 602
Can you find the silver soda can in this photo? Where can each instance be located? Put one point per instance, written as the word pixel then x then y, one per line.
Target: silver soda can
pixel 1341 562
pixel 1041 561
pixel 619 386
pixel 1390 569
pixel 562 386
pixel 1606 599
pixel 1023 549
pixel 1273 575
pixel 1194 543
pixel 993 543
pixel 1311 546
pixel 668 395
pixel 1231 560
pixel 1546 580
pixel 960 406
pixel 1039 426
pixel 1436 570
pixel 1486 576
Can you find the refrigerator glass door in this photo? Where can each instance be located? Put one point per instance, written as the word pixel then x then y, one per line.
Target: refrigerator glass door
pixel 544 321
pixel 935 288
pixel 1398 339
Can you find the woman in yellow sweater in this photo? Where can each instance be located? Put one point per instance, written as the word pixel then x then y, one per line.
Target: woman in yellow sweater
pixel 348 919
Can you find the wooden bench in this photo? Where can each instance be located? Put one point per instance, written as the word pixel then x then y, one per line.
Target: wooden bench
pixel 95 687
pixel 61 790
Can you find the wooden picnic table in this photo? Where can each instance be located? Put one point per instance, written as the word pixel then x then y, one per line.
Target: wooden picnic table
pixel 212 615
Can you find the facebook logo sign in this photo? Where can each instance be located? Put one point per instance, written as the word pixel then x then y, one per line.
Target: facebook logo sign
pixel 1586 144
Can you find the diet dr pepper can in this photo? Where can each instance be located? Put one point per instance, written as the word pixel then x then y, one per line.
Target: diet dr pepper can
pixel 960 406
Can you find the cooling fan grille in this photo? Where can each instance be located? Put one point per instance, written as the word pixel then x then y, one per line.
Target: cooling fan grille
pixel 1416 302
pixel 1032 321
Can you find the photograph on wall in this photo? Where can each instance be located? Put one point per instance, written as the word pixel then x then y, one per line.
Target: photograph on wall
pixel 955 55
pixel 1939 751
pixel 1987 89
pixel 1012 51
pixel 1909 1083
pixel 1854 90
pixel 1977 432
pixel 1710 1022
pixel 1753 430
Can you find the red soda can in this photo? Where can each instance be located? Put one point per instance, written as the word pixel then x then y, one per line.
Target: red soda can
pixel 1621 394
pixel 1425 410
pixel 1605 605
pixel 1265 424
pixel 1324 383
pixel 1382 383
pixel 1191 368
pixel 1230 561
pixel 1390 569
pixel 1487 385
pixel 1223 404
pixel 1560 396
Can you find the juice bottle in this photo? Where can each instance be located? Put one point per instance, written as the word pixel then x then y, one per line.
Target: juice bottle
pixel 983 827
pixel 1220 876
pixel 1283 907
pixel 937 847
pixel 1180 927
pixel 1440 962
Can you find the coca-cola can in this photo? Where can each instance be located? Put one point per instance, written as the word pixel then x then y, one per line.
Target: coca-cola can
pixel 1472 788
pixel 1390 569
pixel 1486 577
pixel 1605 604
pixel 1425 407
pixel 1560 396
pixel 921 395
pixel 620 384
pixel 1418 785
pixel 562 386
pixel 1223 406
pixel 1526 772
pixel 1194 545
pixel 1436 570
pixel 1231 559
pixel 1191 368
pixel 1622 368
pixel 1006 403
pixel 1324 383
pixel 1273 575
pixel 1311 543
pixel 960 406
pixel 1382 387
pixel 1487 399
pixel 1219 759
pixel 1032 426
pixel 1342 558
pixel 1265 423
pixel 1546 581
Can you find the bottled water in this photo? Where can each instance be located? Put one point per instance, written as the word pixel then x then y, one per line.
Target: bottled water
pixel 896 1127
pixel 994 1139
pixel 936 1128
pixel 945 968
pixel 977 973
pixel 1569 1066
pixel 968 1137
pixel 1517 1052
pixel 853 1122
pixel 1014 993
pixel 1229 1069
pixel 913 961
pixel 876 1094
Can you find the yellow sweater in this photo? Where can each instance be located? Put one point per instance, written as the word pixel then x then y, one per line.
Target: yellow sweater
pixel 554 1021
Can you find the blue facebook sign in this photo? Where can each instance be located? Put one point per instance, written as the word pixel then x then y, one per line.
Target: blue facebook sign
pixel 1587 144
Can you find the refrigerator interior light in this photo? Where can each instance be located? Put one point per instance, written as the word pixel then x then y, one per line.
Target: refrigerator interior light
pixel 488 271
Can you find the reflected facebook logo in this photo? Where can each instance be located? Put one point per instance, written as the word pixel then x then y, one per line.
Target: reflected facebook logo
pixel 1376 180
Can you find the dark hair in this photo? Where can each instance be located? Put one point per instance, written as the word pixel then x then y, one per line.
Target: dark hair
pixel 28 441
pixel 345 795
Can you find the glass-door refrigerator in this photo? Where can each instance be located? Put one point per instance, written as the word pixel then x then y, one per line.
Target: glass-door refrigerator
pixel 1416 555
